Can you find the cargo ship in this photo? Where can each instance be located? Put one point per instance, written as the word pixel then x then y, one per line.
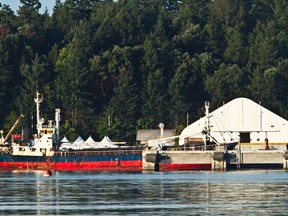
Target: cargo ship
pixel 43 151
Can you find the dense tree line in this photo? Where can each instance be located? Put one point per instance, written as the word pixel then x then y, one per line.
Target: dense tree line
pixel 117 66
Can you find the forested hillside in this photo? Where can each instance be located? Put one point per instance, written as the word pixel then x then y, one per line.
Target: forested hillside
pixel 115 67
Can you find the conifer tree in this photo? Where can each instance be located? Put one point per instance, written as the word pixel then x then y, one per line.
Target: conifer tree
pixel 74 82
pixel 5 81
pixel 225 84
pixel 29 15
pixel 180 89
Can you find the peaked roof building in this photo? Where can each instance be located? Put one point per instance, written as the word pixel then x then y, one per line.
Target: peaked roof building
pixel 240 120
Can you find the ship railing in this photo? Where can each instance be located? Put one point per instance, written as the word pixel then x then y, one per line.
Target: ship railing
pixel 99 152
pixel 52 125
pixel 191 148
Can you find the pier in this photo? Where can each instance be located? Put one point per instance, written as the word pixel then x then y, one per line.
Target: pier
pixel 214 160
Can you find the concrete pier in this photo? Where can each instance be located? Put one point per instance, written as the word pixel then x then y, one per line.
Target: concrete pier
pixel 266 159
pixel 176 160
pixel 214 160
pixel 219 160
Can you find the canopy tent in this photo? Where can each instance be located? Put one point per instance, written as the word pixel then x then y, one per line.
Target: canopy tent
pixel 79 140
pixel 90 140
pixel 65 140
pixel 79 144
pixel 65 144
pixel 105 143
pixel 89 143
pixel 106 139
pixel 109 140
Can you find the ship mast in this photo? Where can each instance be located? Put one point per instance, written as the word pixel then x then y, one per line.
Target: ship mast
pixel 57 127
pixel 38 100
pixel 207 123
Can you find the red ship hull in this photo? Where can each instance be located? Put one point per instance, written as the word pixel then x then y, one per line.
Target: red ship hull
pixel 96 166
pixel 81 160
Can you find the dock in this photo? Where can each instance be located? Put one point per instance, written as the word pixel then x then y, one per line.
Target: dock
pixel 214 160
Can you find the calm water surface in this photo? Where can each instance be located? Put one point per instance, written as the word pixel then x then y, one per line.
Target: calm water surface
pixel 162 193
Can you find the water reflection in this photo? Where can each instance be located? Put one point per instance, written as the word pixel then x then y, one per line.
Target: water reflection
pixel 175 193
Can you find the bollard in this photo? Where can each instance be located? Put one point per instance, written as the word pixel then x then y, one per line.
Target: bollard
pixel 266 146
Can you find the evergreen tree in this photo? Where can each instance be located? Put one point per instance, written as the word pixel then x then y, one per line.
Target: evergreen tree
pixel 7 20
pixel 235 51
pixel 125 104
pixel 180 89
pixel 282 84
pixel 5 81
pixel 263 88
pixel 264 48
pixel 80 9
pixel 129 22
pixel 74 80
pixel 63 21
pixel 154 92
pixel 105 25
pixel 225 84
pixel 29 16
pixel 36 78
pixel 155 103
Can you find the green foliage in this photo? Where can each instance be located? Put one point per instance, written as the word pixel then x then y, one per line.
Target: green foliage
pixel 5 80
pixel 9 122
pixel 35 77
pixel 139 63
pixel 68 131
pixel 180 88
pixel 225 84
pixel 74 82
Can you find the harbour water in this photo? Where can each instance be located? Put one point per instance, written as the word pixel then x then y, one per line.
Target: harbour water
pixel 258 192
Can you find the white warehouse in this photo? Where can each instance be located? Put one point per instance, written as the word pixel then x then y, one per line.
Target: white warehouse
pixel 241 120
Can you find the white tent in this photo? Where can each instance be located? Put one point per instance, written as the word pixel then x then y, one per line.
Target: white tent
pixel 241 120
pixel 105 143
pixel 65 143
pixel 79 144
pixel 65 140
pixel 90 140
pixel 106 139
pixel 79 140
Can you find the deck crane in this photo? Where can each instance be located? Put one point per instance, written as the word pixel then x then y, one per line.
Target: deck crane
pixel 13 127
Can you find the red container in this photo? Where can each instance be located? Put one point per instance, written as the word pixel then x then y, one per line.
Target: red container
pixel 16 136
